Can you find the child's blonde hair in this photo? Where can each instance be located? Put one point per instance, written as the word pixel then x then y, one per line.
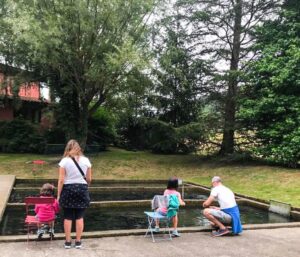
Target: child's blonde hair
pixel 72 149
pixel 47 190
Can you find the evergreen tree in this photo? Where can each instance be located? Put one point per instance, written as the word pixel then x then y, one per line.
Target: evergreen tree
pixel 180 75
pixel 272 105
pixel 222 31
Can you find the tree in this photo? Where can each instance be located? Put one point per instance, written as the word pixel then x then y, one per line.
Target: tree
pixel 82 48
pixel 180 84
pixel 221 30
pixel 271 106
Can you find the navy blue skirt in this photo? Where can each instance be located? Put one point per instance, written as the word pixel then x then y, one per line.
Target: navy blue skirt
pixel 74 196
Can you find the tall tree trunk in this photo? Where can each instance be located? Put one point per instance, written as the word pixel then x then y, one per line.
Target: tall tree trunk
pixel 83 126
pixel 76 119
pixel 230 101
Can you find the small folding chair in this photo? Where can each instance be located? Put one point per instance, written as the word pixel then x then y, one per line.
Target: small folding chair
pixel 159 201
pixel 31 221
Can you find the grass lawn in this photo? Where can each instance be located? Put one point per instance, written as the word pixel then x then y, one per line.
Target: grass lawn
pixel 262 181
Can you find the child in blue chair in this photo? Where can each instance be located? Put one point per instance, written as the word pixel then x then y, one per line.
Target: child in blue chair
pixel 45 213
pixel 171 190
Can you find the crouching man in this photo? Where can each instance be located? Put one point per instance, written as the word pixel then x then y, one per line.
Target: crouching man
pixel 227 214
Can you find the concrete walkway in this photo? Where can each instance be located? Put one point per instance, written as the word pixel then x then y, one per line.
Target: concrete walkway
pixel 6 185
pixel 255 243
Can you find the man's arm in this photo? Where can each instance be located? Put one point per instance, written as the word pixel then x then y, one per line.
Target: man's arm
pixel 209 201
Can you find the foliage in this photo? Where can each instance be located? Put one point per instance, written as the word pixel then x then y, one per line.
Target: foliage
pixel 21 136
pixel 190 137
pixel 83 49
pixel 55 135
pixel 162 137
pixel 101 127
pixel 222 32
pixel 180 82
pixel 133 101
pixel 273 107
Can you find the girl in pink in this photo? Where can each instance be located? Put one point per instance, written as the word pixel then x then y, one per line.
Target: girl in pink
pixel 171 190
pixel 45 213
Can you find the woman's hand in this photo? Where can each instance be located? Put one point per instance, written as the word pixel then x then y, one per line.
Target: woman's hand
pixel 61 179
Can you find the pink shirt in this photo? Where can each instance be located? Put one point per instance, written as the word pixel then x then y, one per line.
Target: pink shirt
pixel 46 212
pixel 172 192
pixel 169 192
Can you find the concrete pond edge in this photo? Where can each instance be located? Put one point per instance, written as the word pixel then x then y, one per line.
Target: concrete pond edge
pixel 139 232
pixel 241 199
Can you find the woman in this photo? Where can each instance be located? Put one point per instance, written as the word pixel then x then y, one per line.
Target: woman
pixel 72 192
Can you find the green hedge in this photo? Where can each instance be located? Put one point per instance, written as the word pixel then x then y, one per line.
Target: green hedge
pixel 161 137
pixel 21 136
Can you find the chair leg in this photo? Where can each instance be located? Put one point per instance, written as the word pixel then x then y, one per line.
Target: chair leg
pixel 152 235
pixel 150 221
pixel 51 235
pixel 147 231
pixel 27 237
pixel 167 235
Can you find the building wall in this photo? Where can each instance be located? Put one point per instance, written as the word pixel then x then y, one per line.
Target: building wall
pixel 30 95
pixel 6 113
pixel 27 91
pixel 30 91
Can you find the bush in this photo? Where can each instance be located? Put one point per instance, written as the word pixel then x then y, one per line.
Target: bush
pixel 161 137
pixel 21 136
pixel 189 137
pixel 101 128
pixel 55 135
pixel 132 133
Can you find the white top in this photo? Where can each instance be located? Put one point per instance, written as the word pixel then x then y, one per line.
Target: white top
pixel 224 196
pixel 73 175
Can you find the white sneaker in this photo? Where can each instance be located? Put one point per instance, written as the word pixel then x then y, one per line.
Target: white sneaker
pixel 40 233
pixel 175 233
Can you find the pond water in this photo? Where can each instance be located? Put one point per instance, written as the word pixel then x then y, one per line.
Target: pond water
pixel 98 219
pixel 18 195
pixel 111 218
pixel 95 183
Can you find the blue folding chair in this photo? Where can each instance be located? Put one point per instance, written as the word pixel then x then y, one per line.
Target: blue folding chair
pixel 159 201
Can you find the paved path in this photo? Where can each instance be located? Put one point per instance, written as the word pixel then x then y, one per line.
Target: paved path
pixel 283 242
pixel 6 185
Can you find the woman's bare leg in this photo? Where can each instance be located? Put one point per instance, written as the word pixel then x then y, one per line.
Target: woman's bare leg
pixel 67 228
pixel 79 228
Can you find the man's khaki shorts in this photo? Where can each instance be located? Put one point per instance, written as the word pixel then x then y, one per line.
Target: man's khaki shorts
pixel 221 216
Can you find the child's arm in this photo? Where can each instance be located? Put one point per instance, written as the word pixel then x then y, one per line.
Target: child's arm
pixel 36 209
pixel 180 200
pixel 56 206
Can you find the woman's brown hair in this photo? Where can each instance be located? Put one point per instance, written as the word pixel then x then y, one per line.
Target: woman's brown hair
pixel 72 149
